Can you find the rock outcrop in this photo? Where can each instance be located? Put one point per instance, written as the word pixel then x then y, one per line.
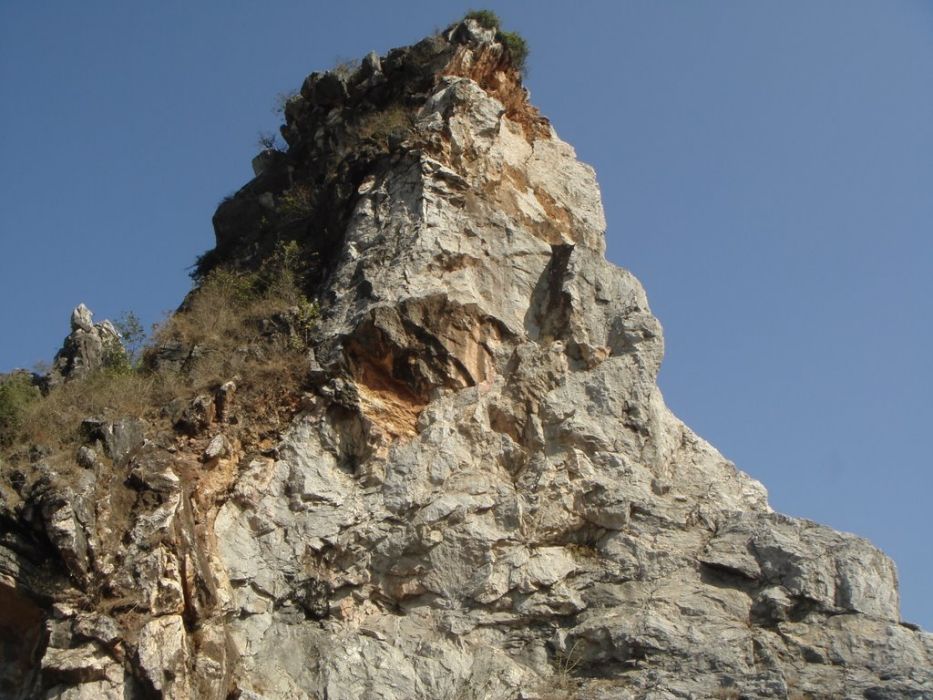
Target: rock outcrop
pixel 481 493
pixel 88 348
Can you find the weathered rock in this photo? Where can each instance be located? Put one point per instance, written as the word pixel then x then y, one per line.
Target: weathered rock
pixel 86 457
pixel 21 627
pixel 483 494
pixel 82 319
pixel 264 159
pixel 88 348
pixel 172 356
pixel 119 439
pixel 66 515
pixel 223 401
pixel 197 416
pixel 218 447
pixel 164 656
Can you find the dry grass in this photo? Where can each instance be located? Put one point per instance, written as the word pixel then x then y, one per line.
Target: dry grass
pixel 54 420
pixel 727 693
pixel 223 324
pixel 733 693
pixel 380 126
pixel 563 685
pixel 252 325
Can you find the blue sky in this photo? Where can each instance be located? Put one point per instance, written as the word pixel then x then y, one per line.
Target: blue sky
pixel 766 167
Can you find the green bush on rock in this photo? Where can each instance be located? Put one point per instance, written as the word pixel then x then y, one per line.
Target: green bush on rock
pixel 487 19
pixel 514 42
pixel 517 47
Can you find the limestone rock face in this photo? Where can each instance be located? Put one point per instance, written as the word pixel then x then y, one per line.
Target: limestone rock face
pixel 483 494
pixel 86 349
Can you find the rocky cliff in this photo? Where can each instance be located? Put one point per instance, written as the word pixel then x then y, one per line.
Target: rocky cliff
pixel 470 488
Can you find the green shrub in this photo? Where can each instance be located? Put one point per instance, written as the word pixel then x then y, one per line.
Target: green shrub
pixel 517 48
pixel 232 286
pixel 306 316
pixel 132 334
pixel 121 355
pixel 485 18
pixel 115 358
pixel 296 203
pixel 16 394
pixel 282 275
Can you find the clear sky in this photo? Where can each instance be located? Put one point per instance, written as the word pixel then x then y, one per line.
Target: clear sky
pixel 766 167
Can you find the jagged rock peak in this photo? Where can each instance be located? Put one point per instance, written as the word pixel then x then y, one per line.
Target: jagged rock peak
pixel 480 493
pixel 88 348
pixel 348 124
pixel 82 319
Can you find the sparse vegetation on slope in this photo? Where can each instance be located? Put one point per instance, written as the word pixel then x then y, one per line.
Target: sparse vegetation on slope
pixel 253 326
pixel 382 127
pixel 513 41
pixel 17 394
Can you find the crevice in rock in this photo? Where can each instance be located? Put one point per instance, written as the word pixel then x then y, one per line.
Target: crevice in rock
pixel 548 313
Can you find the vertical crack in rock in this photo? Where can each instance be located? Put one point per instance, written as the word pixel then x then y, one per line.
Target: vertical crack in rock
pixel 549 312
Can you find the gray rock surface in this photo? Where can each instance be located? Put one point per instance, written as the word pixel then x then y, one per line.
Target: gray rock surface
pixel 88 347
pixel 484 495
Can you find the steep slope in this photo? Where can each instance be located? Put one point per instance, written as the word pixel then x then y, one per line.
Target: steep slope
pixel 479 492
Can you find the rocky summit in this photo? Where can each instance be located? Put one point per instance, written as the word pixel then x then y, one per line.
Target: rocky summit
pixel 466 486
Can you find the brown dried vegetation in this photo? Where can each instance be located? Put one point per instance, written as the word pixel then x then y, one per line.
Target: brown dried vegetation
pixel 491 68
pixel 250 327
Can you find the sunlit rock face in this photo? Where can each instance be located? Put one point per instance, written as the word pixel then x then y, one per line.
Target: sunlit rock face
pixel 482 493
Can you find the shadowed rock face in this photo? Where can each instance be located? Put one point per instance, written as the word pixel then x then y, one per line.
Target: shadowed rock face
pixel 484 496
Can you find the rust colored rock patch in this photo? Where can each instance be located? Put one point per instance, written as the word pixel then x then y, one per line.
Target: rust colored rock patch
pixel 388 403
pixel 400 357
pixel 489 66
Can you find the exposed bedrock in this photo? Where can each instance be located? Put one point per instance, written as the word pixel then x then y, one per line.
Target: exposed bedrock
pixel 482 493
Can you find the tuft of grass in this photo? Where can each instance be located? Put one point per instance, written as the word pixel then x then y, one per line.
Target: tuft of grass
pixel 17 395
pixel 563 684
pixel 382 126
